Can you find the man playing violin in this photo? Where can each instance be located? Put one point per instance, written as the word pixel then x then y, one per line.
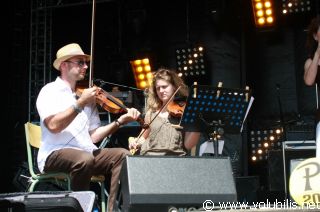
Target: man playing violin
pixel 71 126
pixel 162 138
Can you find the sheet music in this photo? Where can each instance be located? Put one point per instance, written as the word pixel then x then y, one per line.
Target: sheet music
pixel 245 116
pixel 212 106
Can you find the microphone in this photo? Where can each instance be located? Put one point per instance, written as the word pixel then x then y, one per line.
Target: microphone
pixel 220 131
pixel 100 81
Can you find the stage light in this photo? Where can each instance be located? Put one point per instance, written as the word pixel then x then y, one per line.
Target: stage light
pixel 142 72
pixel 190 61
pixel 263 13
pixel 262 141
pixel 295 6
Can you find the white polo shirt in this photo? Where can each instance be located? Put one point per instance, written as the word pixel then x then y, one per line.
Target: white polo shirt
pixel 53 98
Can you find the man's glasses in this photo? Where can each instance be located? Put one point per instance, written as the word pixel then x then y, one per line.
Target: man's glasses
pixel 80 63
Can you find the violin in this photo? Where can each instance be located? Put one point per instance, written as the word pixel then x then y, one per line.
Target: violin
pixel 110 103
pixel 103 100
pixel 176 107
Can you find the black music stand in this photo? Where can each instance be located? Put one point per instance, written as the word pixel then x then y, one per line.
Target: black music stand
pixel 216 110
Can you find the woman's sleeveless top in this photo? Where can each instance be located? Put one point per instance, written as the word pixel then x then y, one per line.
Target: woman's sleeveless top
pixel 163 138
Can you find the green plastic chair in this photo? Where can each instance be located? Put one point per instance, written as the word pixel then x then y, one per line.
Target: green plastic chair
pixel 33 139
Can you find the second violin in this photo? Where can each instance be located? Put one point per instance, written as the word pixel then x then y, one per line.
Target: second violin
pixel 176 108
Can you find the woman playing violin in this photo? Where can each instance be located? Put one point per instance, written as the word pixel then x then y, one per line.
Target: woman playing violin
pixel 71 127
pixel 161 138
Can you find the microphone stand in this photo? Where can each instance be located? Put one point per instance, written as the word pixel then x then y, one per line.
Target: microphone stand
pixel 215 131
pixel 102 82
pixel 282 123
pixel 284 138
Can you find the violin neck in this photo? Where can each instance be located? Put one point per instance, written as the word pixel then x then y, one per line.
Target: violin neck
pixel 116 102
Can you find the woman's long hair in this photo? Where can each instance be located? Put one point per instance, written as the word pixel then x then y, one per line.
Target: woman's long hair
pixel 153 101
pixel 311 43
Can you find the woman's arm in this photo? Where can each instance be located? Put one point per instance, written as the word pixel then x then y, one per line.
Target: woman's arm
pixel 311 68
pixel 136 142
pixel 191 139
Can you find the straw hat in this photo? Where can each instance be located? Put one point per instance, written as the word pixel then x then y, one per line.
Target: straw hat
pixel 68 51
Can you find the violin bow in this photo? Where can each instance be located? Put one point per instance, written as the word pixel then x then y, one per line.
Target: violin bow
pixel 163 106
pixel 133 151
pixel 92 42
pixel 166 104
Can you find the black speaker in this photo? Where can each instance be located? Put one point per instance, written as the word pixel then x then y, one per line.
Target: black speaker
pixel 276 166
pixel 54 201
pixel 275 170
pixel 247 189
pixel 151 183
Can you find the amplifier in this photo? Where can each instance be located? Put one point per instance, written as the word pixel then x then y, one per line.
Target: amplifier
pixel 279 161
pixel 305 144
pixel 300 132
pixel 295 150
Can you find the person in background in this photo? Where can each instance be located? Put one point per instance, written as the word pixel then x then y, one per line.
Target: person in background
pixel 71 126
pixel 162 137
pixel 311 67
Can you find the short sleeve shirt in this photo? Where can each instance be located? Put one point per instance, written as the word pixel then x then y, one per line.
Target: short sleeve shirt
pixel 56 97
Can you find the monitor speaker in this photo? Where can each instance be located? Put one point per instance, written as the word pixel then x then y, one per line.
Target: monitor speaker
pixel 150 183
pixel 55 201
